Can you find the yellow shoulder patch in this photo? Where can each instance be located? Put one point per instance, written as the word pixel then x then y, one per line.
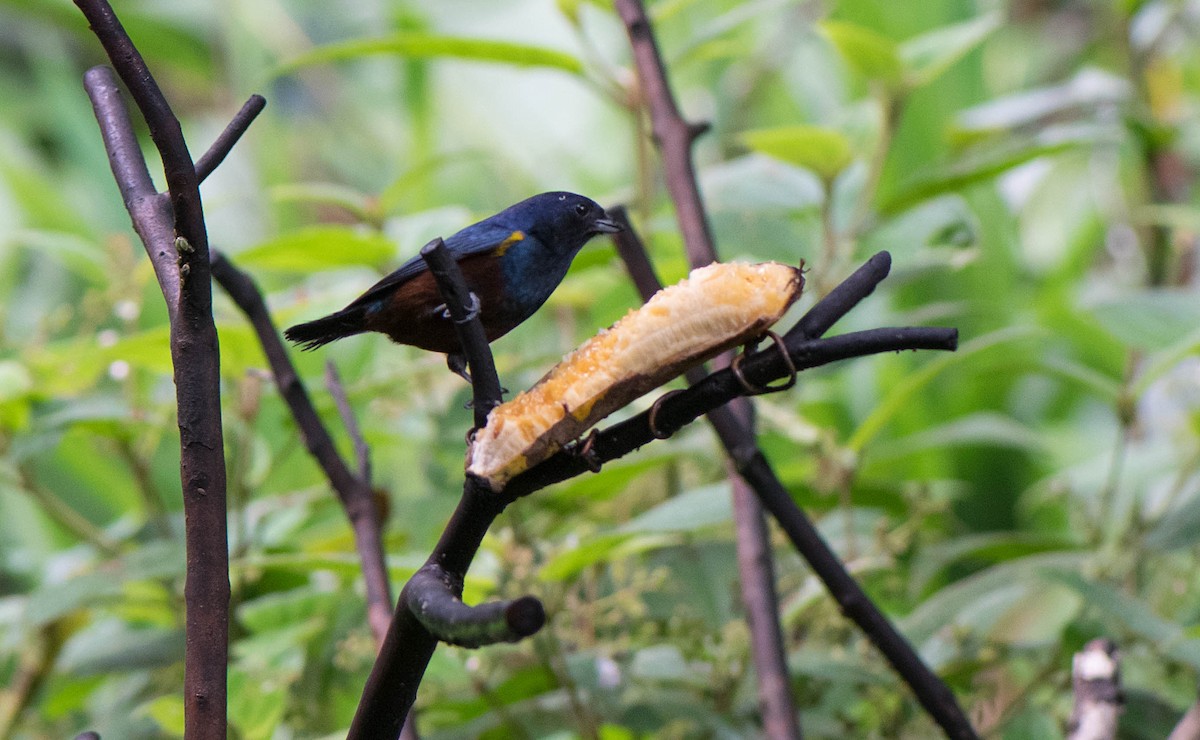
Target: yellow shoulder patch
pixel 512 239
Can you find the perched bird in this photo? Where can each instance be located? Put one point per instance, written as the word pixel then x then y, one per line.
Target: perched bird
pixel 512 262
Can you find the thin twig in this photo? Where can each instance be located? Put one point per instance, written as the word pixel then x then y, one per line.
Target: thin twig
pixel 220 148
pixel 353 492
pixel 362 452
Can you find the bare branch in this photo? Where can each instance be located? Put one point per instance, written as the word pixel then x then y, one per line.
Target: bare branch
pixel 353 492
pixel 149 211
pixel 440 610
pixel 673 134
pixel 463 308
pixel 362 452
pixel 391 688
pixel 220 148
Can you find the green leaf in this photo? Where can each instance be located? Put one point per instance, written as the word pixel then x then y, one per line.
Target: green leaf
pixel 115 646
pixel 1127 608
pixel 325 193
pixel 979 600
pixel 82 256
pixel 903 392
pixel 607 547
pixel 927 56
pixel 687 512
pixel 256 706
pixel 660 663
pixel 874 56
pixel 983 428
pixel 275 610
pixel 975 169
pixel 825 151
pixel 15 380
pixel 318 248
pixel 167 713
pixel 59 599
pixel 427 46
pixel 1150 319
pixel 1179 528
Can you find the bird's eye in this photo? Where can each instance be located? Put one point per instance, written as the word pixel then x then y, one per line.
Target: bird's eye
pixel 581 209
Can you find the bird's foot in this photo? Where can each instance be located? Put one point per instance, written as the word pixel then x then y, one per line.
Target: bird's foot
pixel 472 312
pixel 585 450
pixel 457 362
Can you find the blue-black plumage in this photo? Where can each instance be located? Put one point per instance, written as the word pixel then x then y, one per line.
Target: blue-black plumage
pixel 512 262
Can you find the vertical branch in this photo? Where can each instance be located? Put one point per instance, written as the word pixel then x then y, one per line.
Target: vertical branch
pixel 674 137
pixel 174 232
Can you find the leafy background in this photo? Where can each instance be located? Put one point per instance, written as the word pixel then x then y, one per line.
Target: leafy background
pixel 1028 164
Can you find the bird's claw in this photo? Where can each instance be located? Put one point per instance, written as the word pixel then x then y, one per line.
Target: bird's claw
pixel 472 311
pixel 584 449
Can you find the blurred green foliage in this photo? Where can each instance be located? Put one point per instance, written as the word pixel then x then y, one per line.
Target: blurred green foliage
pixel 1028 163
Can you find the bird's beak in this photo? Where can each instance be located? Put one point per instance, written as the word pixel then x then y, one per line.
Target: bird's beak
pixel 606 226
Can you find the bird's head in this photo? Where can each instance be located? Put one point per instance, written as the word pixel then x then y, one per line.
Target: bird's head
pixel 565 221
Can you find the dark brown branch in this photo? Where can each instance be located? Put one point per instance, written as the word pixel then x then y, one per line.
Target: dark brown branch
pixel 463 308
pixel 430 607
pixel 673 134
pixel 178 233
pixel 220 148
pixel 353 492
pixel 391 688
pixel 674 137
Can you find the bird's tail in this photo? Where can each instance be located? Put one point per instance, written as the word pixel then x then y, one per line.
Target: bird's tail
pixel 313 334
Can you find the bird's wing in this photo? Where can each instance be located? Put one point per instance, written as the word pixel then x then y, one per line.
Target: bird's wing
pixel 477 239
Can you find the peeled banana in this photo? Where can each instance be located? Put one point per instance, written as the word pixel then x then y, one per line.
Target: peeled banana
pixel 716 308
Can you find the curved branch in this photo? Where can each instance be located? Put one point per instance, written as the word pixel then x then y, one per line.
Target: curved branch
pixel 435 598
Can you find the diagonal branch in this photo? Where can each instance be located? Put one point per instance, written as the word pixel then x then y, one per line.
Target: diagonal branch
pixel 149 211
pixel 353 492
pixel 220 148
